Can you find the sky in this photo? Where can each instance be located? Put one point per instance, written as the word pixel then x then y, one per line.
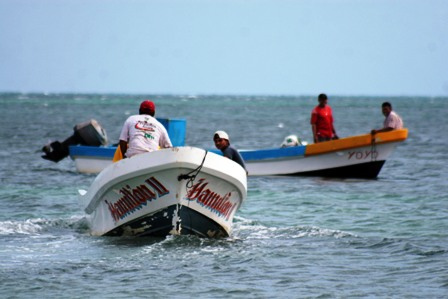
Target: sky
pixel 241 47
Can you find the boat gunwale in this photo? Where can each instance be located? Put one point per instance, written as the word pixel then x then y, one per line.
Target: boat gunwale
pixel 99 187
pixel 364 140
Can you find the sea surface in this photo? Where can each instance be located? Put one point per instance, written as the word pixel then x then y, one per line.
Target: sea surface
pixel 294 237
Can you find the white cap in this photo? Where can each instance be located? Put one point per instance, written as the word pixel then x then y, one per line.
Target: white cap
pixel 222 135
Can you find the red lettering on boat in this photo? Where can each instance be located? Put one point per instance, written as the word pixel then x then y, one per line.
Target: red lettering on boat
pixel 134 199
pixel 210 199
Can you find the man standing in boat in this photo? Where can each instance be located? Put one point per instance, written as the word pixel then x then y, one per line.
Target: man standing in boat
pixel 222 142
pixel 392 121
pixel 143 133
pixel 322 121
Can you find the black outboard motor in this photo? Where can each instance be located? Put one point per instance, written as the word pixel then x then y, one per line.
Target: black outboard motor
pixel 86 133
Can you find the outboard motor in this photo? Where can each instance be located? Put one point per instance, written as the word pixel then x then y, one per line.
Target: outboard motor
pixel 86 133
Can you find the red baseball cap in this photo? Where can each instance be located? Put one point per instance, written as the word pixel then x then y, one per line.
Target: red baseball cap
pixel 148 106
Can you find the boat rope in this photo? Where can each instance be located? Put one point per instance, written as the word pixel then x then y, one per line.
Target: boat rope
pixel 191 176
pixel 373 153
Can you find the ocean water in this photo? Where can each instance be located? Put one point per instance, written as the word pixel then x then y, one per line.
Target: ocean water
pixel 294 237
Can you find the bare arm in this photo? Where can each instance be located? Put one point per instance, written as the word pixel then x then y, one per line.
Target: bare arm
pixel 123 147
pixel 381 130
pixel 335 136
pixel 313 127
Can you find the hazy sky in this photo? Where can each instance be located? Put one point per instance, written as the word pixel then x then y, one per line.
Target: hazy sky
pixel 273 47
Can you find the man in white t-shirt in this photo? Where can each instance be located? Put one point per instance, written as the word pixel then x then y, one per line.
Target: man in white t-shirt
pixel 143 133
pixel 391 122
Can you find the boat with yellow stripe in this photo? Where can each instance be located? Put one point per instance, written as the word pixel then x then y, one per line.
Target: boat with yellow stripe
pixel 360 156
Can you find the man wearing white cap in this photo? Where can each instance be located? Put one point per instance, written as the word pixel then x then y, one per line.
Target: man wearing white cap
pixel 222 142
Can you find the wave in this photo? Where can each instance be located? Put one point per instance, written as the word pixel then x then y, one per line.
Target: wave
pixel 39 225
pixel 400 246
pixel 249 229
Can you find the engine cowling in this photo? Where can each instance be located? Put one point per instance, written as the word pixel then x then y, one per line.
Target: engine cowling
pixel 85 133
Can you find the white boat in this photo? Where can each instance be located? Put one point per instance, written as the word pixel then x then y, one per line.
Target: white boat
pixel 181 190
pixel 360 156
pixel 90 134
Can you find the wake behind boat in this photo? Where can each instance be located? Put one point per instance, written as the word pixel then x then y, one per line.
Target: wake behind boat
pixel 182 190
pixel 361 156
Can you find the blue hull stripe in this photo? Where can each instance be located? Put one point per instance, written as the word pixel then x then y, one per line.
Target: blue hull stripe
pixel 107 152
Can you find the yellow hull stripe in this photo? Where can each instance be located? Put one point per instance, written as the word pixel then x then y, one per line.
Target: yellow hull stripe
pixel 355 141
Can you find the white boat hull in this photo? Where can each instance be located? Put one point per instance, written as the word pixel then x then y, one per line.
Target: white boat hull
pixel 359 156
pixel 356 162
pixel 289 165
pixel 144 196
pixel 92 164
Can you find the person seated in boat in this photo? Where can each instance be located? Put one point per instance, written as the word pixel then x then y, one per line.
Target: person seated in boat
pixel 222 142
pixel 143 133
pixel 322 121
pixel 392 121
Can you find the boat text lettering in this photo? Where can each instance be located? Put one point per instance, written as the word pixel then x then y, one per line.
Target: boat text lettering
pixel 217 203
pixel 134 199
pixel 361 155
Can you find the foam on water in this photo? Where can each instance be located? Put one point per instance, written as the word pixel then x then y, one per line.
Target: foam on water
pixel 39 225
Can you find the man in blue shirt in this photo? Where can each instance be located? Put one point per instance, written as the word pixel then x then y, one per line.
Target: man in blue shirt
pixel 222 142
